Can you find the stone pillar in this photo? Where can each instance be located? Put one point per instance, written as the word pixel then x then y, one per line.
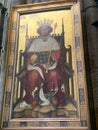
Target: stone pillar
pixel 0 58
pixel 91 43
pixel 4 20
pixel 2 15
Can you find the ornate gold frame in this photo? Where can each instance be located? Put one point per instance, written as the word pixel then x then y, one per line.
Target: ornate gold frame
pixel 82 121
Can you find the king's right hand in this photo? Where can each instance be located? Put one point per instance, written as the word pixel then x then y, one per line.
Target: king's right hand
pixel 33 59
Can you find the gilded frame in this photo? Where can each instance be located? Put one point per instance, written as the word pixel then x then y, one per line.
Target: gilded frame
pixel 82 121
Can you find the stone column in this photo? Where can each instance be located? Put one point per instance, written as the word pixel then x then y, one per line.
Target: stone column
pixel 2 15
pixel 90 14
pixel 4 20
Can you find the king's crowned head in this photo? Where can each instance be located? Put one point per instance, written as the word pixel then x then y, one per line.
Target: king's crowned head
pixel 44 24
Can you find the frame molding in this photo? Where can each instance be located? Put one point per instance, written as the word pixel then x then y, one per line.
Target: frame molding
pixel 80 123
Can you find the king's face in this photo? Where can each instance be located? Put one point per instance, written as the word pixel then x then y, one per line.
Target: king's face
pixel 44 31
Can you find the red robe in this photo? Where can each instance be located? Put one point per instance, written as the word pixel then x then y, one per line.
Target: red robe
pixel 52 81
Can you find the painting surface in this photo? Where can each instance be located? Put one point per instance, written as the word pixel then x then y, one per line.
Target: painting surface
pixel 45 70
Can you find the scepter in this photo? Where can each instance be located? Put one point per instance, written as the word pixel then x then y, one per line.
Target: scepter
pixel 55 26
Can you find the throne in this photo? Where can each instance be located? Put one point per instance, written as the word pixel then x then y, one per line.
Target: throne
pixel 67 61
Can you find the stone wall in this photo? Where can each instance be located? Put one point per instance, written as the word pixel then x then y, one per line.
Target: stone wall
pixel 90 16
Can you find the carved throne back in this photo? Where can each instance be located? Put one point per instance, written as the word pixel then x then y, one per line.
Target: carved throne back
pixel 67 61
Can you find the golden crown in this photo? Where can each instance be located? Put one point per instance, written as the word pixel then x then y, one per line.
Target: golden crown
pixel 48 22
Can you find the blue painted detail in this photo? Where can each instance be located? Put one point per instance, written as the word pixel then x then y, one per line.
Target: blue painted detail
pixel 79 66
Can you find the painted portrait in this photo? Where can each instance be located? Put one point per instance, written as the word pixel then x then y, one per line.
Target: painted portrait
pixel 45 82
pixel 45 72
